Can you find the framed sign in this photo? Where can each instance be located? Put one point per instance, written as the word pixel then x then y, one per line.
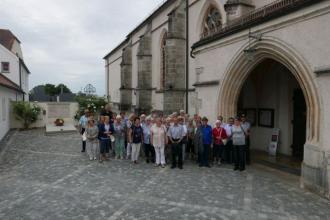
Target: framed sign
pixel 266 118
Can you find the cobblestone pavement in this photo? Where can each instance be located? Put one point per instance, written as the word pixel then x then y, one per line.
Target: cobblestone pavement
pixel 46 177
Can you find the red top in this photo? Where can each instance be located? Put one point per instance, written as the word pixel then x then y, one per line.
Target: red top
pixel 218 135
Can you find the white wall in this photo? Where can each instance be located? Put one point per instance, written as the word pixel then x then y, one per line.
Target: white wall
pixel 43 119
pixel 16 49
pixel 6 96
pixel 8 56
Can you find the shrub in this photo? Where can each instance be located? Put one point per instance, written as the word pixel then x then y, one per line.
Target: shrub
pixel 26 113
pixel 93 103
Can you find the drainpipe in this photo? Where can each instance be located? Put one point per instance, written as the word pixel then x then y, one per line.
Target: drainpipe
pixel 187 56
pixel 20 75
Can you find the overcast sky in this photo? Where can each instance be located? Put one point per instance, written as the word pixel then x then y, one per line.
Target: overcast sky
pixel 64 41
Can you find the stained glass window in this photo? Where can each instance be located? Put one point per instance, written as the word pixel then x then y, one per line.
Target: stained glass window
pixel 212 20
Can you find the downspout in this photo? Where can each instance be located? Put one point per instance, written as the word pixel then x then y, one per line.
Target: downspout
pixel 187 56
pixel 107 79
pixel 20 76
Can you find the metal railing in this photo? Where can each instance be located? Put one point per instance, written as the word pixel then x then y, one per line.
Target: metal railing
pixel 255 15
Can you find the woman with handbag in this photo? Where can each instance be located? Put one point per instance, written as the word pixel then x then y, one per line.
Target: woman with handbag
pixel 119 134
pixel 219 141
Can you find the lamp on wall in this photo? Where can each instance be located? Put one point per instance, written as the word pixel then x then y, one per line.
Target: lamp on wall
pixel 250 52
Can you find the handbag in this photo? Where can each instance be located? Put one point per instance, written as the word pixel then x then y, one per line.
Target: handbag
pixel 112 138
pixel 224 141
pixel 84 138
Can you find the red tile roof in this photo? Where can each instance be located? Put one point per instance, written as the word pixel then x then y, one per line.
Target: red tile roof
pixel 7 38
pixel 4 81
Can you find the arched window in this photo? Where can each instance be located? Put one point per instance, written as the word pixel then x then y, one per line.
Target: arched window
pixel 212 20
pixel 163 61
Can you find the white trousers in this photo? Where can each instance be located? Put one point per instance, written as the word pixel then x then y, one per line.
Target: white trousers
pixel 128 150
pixel 135 151
pixel 160 155
pixel 92 149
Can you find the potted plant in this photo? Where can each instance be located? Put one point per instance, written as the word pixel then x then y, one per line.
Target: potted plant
pixel 59 122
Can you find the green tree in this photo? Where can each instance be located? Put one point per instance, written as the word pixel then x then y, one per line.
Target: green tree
pixel 50 89
pixel 53 90
pixel 59 88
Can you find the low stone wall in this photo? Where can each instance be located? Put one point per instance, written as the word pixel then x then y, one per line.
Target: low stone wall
pixel 50 111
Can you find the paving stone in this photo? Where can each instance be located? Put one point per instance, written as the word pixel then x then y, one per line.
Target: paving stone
pixel 46 177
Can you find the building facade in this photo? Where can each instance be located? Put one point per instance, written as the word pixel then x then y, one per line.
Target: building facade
pixel 268 59
pixel 14 77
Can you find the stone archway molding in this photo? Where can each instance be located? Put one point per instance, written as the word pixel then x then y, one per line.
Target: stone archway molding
pixel 271 48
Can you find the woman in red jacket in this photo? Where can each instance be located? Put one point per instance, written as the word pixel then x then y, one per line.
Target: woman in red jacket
pixel 219 137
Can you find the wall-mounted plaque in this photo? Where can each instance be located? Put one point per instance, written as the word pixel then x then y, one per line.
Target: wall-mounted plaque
pixel 266 118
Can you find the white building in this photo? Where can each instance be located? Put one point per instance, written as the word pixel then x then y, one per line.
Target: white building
pixel 14 77
pixel 269 59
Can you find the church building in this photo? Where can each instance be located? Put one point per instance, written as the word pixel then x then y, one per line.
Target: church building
pixel 269 59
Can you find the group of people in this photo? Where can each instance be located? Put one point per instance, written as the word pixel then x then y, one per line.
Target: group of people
pixel 166 140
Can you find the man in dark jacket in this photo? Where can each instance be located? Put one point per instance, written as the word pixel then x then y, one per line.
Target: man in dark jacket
pixel 198 141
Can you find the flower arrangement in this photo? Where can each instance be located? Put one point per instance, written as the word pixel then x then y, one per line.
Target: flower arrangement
pixel 59 122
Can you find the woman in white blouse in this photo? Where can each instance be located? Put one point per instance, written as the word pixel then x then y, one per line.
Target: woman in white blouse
pixel 158 140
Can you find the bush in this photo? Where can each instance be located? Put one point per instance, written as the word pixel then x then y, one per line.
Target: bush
pixel 26 113
pixel 93 103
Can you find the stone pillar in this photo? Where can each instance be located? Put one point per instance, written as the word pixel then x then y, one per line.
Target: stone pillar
pixel 126 79
pixel 238 8
pixel 144 90
pixel 174 91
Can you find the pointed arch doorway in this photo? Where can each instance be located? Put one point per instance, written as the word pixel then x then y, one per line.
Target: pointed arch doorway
pixel 273 100
pixel 258 83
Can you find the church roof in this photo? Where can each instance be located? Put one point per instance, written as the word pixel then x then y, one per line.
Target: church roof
pixel 7 38
pixel 5 82
pixel 258 16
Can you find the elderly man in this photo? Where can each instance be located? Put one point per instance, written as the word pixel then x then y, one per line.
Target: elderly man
pixel 82 127
pixel 183 115
pixel 143 119
pixel 207 141
pixel 176 134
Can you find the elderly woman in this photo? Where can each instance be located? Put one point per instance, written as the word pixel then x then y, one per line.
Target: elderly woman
pixel 92 133
pixel 119 134
pixel 159 140
pixel 128 126
pixel 136 139
pixel 105 130
pixel 219 135
pixel 148 149
pixel 238 137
